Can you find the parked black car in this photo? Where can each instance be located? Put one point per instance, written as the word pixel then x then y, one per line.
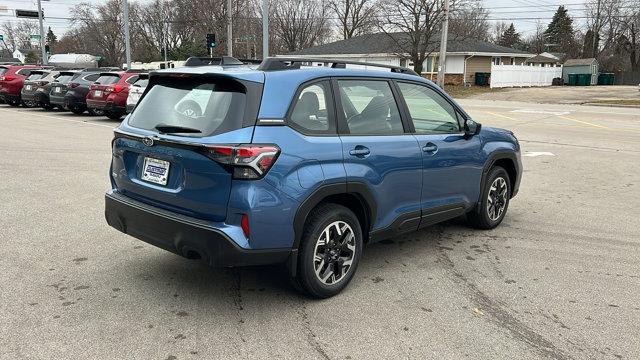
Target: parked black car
pixel 35 91
pixel 56 90
pixel 71 96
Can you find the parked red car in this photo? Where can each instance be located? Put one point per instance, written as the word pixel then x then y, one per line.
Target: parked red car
pixel 109 93
pixel 11 80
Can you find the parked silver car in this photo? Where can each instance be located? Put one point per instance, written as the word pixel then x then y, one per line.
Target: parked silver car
pixel 135 91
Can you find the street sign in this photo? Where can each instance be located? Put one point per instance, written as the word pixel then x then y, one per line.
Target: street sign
pixel 34 40
pixel 31 14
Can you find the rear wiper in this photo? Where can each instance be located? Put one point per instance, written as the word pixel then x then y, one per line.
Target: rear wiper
pixel 167 129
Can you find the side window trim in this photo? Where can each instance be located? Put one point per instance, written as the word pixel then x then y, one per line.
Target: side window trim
pixel 331 109
pixel 460 117
pixel 343 128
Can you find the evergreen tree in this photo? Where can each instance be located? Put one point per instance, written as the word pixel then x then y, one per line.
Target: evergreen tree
pixel 560 33
pixel 510 37
pixel 51 39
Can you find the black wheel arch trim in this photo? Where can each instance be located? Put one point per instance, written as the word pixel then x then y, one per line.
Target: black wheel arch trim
pixel 359 189
pixel 491 160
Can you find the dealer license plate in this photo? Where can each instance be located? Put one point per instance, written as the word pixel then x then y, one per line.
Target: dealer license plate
pixel 155 171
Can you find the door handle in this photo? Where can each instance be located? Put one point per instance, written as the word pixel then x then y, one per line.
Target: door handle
pixel 360 151
pixel 430 148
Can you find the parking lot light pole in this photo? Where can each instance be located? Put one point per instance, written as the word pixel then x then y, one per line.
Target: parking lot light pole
pixel 45 61
pixel 127 42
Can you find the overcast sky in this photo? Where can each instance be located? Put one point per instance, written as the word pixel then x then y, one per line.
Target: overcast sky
pixel 510 10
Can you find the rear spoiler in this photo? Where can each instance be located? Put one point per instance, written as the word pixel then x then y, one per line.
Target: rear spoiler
pixel 220 61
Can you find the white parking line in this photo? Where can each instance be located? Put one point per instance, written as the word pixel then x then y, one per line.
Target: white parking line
pixel 538 153
pixel 57 118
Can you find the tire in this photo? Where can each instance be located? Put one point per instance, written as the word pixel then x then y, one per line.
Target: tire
pixel 328 217
pixel 77 110
pixel 485 216
pixel 48 107
pixel 13 103
pixel 96 112
pixel 113 115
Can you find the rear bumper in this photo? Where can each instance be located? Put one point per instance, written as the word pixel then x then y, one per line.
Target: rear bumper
pixel 9 97
pixel 183 235
pixel 98 105
pixel 112 107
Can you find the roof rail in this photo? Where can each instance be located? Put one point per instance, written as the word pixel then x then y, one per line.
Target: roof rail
pixel 203 61
pixel 288 63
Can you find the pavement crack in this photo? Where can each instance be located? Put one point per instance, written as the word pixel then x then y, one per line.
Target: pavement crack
pixel 312 338
pixel 501 316
pixel 237 301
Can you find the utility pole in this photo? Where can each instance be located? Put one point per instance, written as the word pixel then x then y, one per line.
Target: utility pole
pixel 45 60
pixel 265 29
pixel 229 30
pixel 164 41
pixel 127 42
pixel 443 45
pixel 596 32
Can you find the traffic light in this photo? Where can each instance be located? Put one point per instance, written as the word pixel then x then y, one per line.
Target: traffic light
pixel 211 41
pixel 47 49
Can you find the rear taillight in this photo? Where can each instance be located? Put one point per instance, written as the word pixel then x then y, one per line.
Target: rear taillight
pixel 246 161
pixel 114 89
pixel 7 78
pixel 73 85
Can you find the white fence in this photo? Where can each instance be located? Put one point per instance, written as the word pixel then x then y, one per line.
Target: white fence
pixel 523 75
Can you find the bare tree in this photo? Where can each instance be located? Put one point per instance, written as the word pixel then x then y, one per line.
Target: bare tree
pixel 469 20
pixel 535 42
pixel 413 26
pixel 498 29
pixel 17 34
pixel 299 24
pixel 355 17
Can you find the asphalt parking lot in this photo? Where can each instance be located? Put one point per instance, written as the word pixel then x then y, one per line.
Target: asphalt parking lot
pixel 560 278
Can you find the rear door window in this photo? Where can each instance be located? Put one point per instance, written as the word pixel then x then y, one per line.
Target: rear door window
pixel 107 79
pixel 191 108
pixel 369 107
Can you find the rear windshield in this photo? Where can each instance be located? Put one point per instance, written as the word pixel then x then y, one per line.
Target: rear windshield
pixel 36 76
pixel 141 82
pixel 204 108
pixel 64 78
pixel 108 79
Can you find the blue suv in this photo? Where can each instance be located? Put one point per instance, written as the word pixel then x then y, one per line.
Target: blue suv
pixel 301 162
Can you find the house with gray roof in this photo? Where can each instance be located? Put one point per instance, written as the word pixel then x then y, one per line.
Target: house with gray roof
pixel 465 56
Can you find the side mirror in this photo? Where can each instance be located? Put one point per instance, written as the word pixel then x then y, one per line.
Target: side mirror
pixel 471 128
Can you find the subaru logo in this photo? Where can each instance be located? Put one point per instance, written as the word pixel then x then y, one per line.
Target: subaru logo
pixel 147 141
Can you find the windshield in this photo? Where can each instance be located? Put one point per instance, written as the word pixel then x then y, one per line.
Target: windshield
pixel 207 108
pixel 107 79
pixel 141 82
pixel 3 70
pixel 64 78
pixel 36 76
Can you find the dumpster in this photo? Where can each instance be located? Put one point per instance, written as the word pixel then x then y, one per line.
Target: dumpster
pixel 481 79
pixel 606 79
pixel 573 79
pixel 584 79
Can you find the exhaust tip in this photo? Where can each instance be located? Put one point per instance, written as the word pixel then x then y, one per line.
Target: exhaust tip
pixel 192 253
